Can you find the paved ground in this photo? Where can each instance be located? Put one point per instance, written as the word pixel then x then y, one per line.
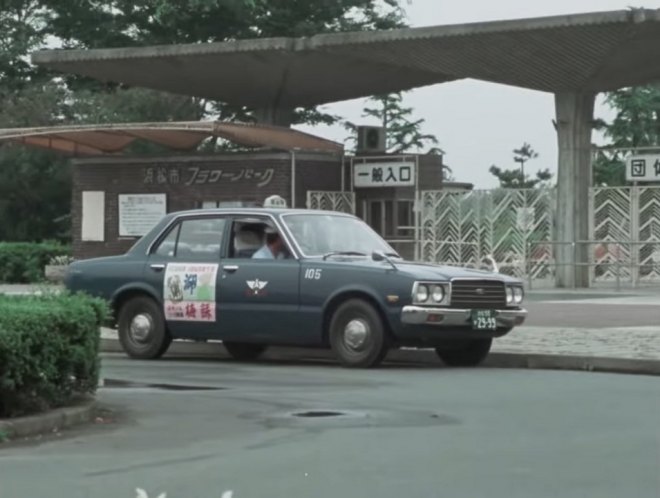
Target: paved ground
pixel 414 432
pixel 600 325
pixel 607 323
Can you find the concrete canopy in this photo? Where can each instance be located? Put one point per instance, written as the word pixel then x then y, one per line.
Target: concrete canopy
pixel 585 52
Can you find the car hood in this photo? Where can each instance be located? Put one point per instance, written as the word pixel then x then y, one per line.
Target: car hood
pixel 428 271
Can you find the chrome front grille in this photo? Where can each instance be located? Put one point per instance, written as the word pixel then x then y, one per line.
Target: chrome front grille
pixel 478 294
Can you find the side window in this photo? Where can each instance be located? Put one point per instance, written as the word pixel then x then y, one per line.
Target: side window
pixel 167 246
pixel 197 239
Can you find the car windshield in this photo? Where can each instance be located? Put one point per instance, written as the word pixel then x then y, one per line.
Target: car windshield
pixel 322 234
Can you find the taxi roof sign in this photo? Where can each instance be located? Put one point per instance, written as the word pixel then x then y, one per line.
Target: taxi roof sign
pixel 275 201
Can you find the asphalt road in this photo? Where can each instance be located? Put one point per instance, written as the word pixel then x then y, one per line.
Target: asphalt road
pixel 406 431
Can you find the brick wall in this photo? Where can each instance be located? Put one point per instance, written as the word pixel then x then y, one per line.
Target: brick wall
pixel 189 181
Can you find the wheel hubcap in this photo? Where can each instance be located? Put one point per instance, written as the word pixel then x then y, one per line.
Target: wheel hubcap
pixel 356 333
pixel 141 327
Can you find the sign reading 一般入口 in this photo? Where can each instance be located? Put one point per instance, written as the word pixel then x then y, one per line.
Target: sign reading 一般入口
pixel 138 213
pixel 384 175
pixel 643 168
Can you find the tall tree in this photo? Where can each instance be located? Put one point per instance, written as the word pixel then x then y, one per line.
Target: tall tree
pixel 32 96
pixel 90 24
pixel 636 124
pixel 516 177
pixel 403 133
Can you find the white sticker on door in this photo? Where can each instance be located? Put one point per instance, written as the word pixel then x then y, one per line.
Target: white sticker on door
pixel 189 292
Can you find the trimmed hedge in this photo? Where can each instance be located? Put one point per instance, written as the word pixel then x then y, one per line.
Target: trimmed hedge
pixel 24 262
pixel 48 351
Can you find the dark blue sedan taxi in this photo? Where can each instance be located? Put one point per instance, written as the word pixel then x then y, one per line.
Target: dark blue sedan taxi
pixel 255 278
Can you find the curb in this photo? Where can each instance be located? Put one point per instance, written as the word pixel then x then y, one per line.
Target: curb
pixel 49 422
pixel 422 357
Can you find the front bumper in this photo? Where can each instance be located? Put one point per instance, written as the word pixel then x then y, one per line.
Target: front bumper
pixel 448 317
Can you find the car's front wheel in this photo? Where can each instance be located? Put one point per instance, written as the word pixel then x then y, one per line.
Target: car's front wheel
pixel 469 354
pixel 142 331
pixel 357 334
pixel 243 351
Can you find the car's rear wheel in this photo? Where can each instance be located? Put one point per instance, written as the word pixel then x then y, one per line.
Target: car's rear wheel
pixel 357 335
pixel 142 331
pixel 243 351
pixel 469 354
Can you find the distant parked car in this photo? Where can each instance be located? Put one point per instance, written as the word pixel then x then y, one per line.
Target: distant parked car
pixel 327 280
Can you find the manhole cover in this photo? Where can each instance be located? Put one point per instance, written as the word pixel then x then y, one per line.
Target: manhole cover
pixel 318 413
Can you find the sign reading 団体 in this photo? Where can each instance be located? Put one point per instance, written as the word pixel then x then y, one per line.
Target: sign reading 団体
pixel 384 175
pixel 138 213
pixel 189 292
pixel 644 168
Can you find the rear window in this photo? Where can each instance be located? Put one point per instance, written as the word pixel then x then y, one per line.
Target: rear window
pixel 198 238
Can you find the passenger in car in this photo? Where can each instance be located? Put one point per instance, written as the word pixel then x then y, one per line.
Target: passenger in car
pixel 274 247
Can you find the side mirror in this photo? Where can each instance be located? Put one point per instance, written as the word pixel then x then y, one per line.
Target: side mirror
pixel 377 256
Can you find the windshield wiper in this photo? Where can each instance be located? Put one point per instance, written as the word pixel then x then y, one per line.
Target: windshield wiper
pixel 343 253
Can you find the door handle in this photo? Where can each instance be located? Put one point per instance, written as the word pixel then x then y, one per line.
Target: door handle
pixel 230 268
pixel 157 267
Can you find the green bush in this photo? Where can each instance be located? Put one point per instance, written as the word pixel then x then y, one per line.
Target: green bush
pixel 24 262
pixel 48 350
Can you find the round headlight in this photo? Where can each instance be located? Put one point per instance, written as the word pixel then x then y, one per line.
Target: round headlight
pixel 438 293
pixel 518 295
pixel 509 295
pixel 422 293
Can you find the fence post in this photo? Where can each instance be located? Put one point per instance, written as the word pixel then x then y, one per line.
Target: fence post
pixel 618 271
pixel 574 246
pixel 527 265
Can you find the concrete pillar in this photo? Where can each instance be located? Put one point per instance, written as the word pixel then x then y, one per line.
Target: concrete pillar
pixel 274 116
pixel 574 127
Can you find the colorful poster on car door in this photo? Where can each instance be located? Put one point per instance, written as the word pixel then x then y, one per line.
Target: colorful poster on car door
pixel 189 292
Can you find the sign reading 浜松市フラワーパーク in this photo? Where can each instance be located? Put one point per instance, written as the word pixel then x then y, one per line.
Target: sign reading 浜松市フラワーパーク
pixel 643 168
pixel 399 174
pixel 189 292
pixel 139 213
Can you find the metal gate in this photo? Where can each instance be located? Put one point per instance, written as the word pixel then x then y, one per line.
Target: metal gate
pixel 331 201
pixel 625 228
pixel 515 226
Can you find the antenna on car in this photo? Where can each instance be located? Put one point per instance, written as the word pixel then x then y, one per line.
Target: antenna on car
pixel 381 256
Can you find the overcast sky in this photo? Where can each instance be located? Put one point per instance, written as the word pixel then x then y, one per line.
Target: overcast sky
pixel 479 124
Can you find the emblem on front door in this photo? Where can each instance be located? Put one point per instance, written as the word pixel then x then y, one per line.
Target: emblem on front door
pixel 256 287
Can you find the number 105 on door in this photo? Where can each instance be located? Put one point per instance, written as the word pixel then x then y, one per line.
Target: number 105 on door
pixel 313 274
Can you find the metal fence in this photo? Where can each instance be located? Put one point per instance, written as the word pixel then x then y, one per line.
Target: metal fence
pixel 465 227
pixel 517 228
pixel 331 201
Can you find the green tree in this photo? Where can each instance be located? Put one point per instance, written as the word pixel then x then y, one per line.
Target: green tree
pixel 32 96
pixel 636 124
pixel 87 24
pixel 516 177
pixel 402 131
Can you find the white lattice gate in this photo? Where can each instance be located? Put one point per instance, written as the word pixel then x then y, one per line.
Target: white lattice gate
pixel 625 226
pixel 331 201
pixel 514 226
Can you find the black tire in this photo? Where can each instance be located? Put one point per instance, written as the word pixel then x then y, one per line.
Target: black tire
pixel 470 355
pixel 367 346
pixel 244 352
pixel 137 343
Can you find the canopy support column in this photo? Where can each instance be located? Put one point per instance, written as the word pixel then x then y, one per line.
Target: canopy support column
pixel 574 125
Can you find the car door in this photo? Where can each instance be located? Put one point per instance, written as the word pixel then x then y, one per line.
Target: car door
pixel 183 270
pixel 259 298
